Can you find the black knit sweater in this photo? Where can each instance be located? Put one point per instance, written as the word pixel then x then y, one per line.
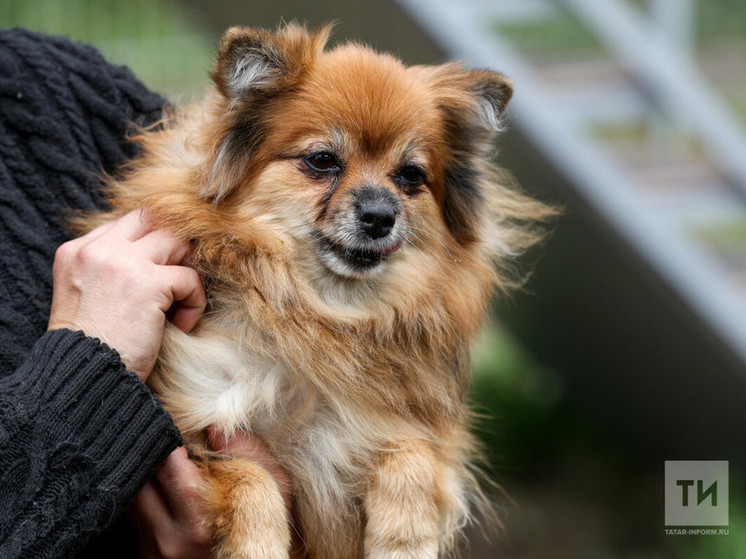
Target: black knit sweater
pixel 79 435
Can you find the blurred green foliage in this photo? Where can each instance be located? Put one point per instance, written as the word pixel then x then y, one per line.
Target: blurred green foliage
pixel 732 546
pixel 715 18
pixel 561 34
pixel 517 403
pixel 729 234
pixel 157 39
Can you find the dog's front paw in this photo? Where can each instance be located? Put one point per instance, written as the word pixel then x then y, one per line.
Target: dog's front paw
pixel 250 516
pixel 402 504
pixel 404 549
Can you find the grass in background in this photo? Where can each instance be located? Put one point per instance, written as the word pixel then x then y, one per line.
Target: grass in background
pixel 559 35
pixel 718 17
pixel 728 234
pixel 157 39
pixel 727 237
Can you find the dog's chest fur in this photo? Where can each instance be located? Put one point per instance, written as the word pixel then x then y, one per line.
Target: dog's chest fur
pixel 210 379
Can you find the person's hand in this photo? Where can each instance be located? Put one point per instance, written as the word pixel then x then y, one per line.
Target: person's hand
pixel 248 446
pixel 169 511
pixel 118 282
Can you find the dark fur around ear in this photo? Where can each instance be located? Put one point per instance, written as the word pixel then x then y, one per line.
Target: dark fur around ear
pixel 493 91
pixel 463 201
pixel 472 104
pixel 254 66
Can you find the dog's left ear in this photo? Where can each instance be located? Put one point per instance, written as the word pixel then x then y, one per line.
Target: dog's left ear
pixel 472 103
pixel 254 67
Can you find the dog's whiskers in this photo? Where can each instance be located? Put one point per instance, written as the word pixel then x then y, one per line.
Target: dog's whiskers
pixel 414 246
pixel 448 252
pixel 419 249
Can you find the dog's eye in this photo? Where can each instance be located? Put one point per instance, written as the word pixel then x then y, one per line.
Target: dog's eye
pixel 409 176
pixel 323 162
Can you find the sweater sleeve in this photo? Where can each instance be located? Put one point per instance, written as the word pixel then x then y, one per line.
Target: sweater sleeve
pixel 78 435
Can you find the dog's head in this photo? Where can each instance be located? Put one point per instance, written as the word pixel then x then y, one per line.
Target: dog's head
pixel 366 162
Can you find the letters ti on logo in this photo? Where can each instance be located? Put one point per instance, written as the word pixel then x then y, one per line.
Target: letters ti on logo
pixel 696 492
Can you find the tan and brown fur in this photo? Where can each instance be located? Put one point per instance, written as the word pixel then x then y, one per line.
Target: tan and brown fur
pixel 356 381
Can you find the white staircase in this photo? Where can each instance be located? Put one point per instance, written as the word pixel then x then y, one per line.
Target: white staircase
pixel 633 126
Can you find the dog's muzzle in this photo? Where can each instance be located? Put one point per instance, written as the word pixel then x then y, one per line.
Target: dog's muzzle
pixel 376 210
pixel 365 236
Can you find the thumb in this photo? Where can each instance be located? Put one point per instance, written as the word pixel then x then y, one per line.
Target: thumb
pixel 246 445
pixel 241 443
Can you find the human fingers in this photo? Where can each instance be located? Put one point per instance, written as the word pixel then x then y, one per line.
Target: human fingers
pixel 181 482
pixel 126 228
pixel 243 443
pixel 95 233
pixel 163 247
pixel 247 445
pixel 168 514
pixel 186 290
pixel 132 226
pixel 151 509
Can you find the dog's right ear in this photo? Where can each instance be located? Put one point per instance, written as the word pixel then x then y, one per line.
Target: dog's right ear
pixel 254 66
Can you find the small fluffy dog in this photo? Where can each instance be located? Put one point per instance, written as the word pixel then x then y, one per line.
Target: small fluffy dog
pixel 350 229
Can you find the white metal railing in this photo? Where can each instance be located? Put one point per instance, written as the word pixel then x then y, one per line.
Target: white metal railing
pixel 463 29
pixel 674 81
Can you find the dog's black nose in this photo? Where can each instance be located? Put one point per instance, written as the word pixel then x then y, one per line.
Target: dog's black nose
pixel 376 210
pixel 377 218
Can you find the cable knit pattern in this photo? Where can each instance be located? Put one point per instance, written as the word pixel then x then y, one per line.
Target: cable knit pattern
pixel 79 435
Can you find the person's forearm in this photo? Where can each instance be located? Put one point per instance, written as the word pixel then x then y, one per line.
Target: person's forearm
pixel 79 436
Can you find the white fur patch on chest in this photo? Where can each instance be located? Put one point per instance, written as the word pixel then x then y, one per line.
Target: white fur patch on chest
pixel 210 382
